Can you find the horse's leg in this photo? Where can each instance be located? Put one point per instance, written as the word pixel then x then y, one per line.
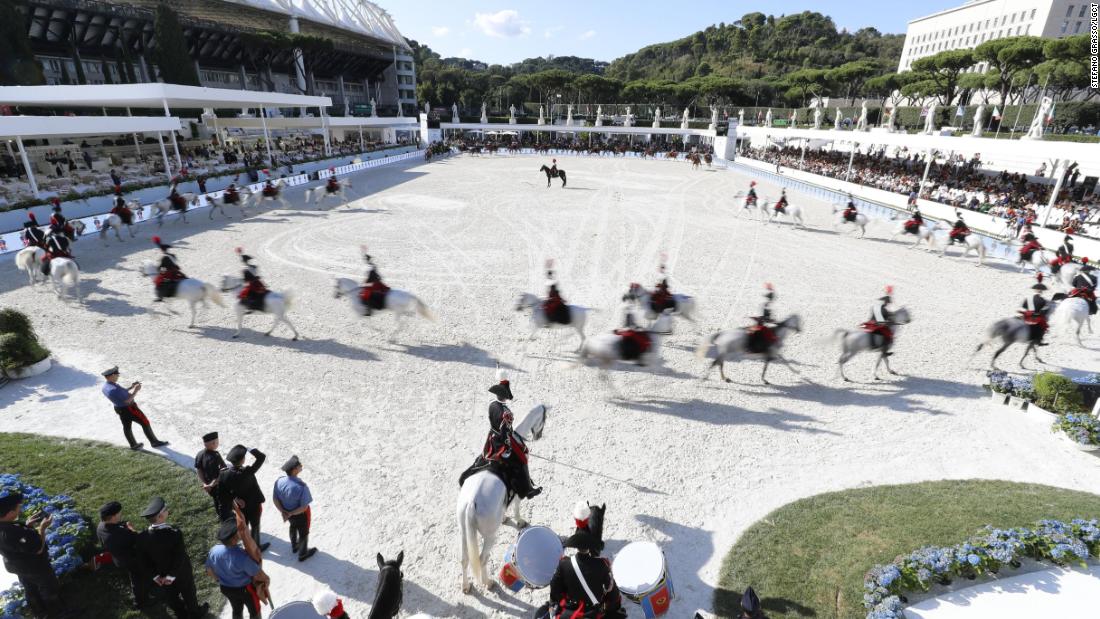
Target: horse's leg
pixel 240 319
pixel 878 362
pixel 886 360
pixel 286 321
pixel 517 517
pixel 721 361
pixel 192 325
pixel 764 372
pixel 400 324
pixel 845 356
pixel 1027 349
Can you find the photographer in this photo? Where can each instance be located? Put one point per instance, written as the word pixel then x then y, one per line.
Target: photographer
pixel 23 547
pixel 127 410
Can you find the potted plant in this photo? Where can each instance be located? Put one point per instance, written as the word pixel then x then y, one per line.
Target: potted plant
pixel 21 355
pixel 1000 386
pixel 1057 395
pixel 1083 430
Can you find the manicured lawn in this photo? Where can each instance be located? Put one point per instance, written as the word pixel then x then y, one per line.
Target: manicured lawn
pixel 808 558
pixel 94 473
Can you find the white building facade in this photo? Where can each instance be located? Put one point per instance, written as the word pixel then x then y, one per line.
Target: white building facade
pixel 977 21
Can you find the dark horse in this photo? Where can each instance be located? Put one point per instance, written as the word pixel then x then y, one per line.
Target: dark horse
pixel 387 599
pixel 560 174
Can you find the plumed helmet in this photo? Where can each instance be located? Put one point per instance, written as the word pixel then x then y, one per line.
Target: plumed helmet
pixel 164 247
pixel 769 291
pixel 1039 282
pixel 503 389
pixel 324 601
pixel 889 294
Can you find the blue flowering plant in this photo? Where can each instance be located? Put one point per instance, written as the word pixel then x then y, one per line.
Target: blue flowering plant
pixel 1017 386
pixel 986 553
pixel 67 538
pixel 1081 427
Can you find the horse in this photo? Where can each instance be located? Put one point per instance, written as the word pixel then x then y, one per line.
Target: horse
pixel 793 211
pixel 560 174
pixel 1069 311
pixel 29 260
pixel 388 596
pixel 1037 260
pixel 274 303
pixel 855 342
pixel 734 344
pixel 1066 274
pixel 860 221
pixel 1014 330
pixel 162 207
pixel 695 160
pixel 971 243
pixel 758 206
pixel 65 274
pixel 604 349
pixel 924 232
pixel 685 307
pixel 708 159
pixel 260 197
pixel 578 316
pixel 482 504
pixel 190 290
pixel 399 302
pixel 322 191
pixel 114 222
pixel 219 205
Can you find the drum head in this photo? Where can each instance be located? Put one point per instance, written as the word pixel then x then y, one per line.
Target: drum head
pixel 295 610
pixel 638 568
pixel 537 554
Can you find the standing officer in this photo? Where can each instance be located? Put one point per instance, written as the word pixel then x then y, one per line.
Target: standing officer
pixel 208 465
pixel 162 551
pixel 120 539
pixel 238 484
pixel 234 570
pixel 583 584
pixel 127 410
pixel 23 547
pixel 292 498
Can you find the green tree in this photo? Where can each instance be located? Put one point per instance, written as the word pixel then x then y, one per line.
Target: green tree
pixel 17 64
pixel 981 83
pixel 1008 57
pixel 943 69
pixel 852 76
pixel 171 55
pixel 1066 68
pixel 807 81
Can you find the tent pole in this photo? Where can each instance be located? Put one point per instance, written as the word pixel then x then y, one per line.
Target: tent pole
pixel 267 138
pixel 851 158
pixel 175 146
pixel 1054 194
pixel 361 148
pixel 137 145
pixel 164 154
pixel 27 165
pixel 325 129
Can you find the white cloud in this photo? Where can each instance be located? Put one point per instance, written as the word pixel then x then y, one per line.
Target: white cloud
pixel 440 31
pixel 588 34
pixel 550 32
pixel 465 52
pixel 502 24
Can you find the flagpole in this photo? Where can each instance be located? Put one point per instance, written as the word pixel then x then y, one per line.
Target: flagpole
pixel 1021 109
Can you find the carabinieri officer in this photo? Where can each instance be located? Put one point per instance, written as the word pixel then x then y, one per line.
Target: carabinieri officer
pixel 162 549
pixel 292 498
pixel 25 556
pixel 234 570
pixel 208 466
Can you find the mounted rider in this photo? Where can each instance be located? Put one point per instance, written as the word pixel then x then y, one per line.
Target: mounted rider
pixel 373 292
pixel 554 307
pixel 915 221
pixel 554 168
pixel 231 195
pixel 781 205
pixel 505 451
pixel 175 198
pixel 850 211
pixel 270 190
pixel 1034 313
pixel 882 319
pixel 124 213
pixel 254 291
pixel 333 185
pixel 761 333
pixel 1063 255
pixel 169 274
pixel 1030 246
pixel 1084 285
pixel 59 224
pixel 662 297
pixel 634 341
pixel 33 236
pixel 750 198
pixel 57 246
pixel 959 231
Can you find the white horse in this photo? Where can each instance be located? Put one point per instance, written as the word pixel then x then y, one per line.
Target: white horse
pixel 114 222
pixel 29 260
pixel 1072 311
pixel 732 345
pixel 853 342
pixel 790 211
pixel 482 505
pixel 275 303
pixel 402 304
pixel 685 308
pixel 259 197
pixel 1015 331
pixel 759 207
pixel 578 316
pixel 860 221
pixel 65 274
pixel 924 232
pixel 1037 260
pixel 190 290
pixel 321 192
pixel 164 206
pixel 1066 274
pixel 606 348
pixel 971 243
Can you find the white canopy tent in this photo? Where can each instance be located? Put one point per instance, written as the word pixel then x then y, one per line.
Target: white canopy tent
pixel 329 123
pixel 19 127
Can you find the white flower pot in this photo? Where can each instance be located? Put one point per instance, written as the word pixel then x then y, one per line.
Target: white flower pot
pixel 1080 446
pixel 28 371
pixel 1015 402
pixel 1042 412
pixel 998 398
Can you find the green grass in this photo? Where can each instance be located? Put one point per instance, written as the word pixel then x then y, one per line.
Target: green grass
pixel 808 558
pixel 94 473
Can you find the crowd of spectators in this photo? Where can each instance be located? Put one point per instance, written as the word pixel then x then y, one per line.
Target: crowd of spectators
pixel 956 181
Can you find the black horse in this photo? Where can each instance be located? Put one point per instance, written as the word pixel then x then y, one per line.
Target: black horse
pixel 387 599
pixel 559 174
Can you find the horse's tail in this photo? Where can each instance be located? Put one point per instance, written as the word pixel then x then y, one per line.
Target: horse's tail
pixel 423 310
pixel 25 260
pixel 71 276
pixel 838 336
pixel 103 229
pixel 211 291
pixel 468 529
pixel 704 346
pixel 288 298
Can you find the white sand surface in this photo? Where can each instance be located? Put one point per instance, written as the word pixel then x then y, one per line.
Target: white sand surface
pixel 385 429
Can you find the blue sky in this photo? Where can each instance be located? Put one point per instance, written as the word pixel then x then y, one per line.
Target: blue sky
pixel 506 31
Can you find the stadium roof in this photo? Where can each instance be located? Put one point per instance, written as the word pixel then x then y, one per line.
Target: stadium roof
pixel 357 16
pixel 152 95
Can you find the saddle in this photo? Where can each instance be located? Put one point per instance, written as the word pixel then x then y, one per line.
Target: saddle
pixel 1088 294
pixel 166 288
pixel 557 311
pixel 882 332
pixel 781 207
pixel 912 226
pixel 496 468
pixel 332 187
pixel 850 215
pixel 660 301
pixel 178 203
pixel 231 198
pixel 761 339
pixel 270 192
pixel 633 344
pixel 959 233
pixel 125 215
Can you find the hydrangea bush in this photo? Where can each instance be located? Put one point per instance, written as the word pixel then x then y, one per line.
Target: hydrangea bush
pixel 67 535
pixel 985 553
pixel 1082 428
pixel 1018 386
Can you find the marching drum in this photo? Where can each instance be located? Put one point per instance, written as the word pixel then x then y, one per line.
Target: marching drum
pixel 641 572
pixel 295 610
pixel 532 560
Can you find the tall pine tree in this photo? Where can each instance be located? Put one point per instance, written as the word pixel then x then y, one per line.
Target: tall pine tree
pixel 171 56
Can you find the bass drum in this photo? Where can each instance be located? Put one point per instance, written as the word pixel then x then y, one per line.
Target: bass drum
pixel 295 610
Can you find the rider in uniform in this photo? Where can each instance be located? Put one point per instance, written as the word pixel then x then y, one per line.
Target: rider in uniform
pixel 505 452
pixel 915 221
pixel 1030 246
pixel 57 246
pixel 781 206
pixel 554 168
pixel 881 321
pixel 1033 311
pixel 169 274
pixel 176 200
pixel 124 213
pixel 333 185
pixel 750 199
pixel 635 341
pixel 59 224
pixel 254 290
pixel 554 307
pixel 662 298
pixel 761 334
pixel 583 585
pixel 373 292
pixel 1084 285
pixel 1064 255
pixel 270 190
pixel 33 236
pixel 959 231
pixel 850 211
pixel 231 195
